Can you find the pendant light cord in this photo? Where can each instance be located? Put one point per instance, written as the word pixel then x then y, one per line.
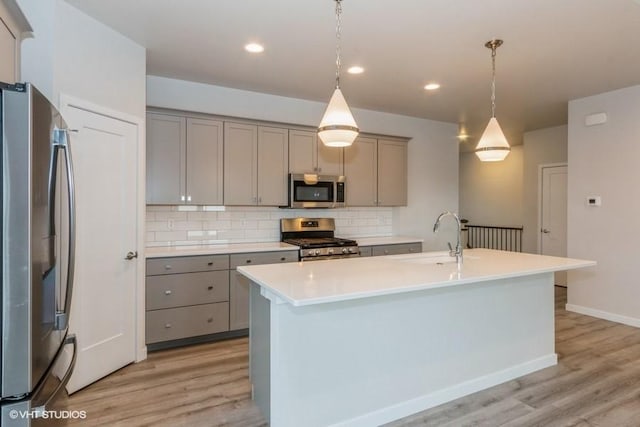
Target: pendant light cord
pixel 493 80
pixel 338 29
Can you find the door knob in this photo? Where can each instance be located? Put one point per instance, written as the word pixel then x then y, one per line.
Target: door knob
pixel 545 231
pixel 131 255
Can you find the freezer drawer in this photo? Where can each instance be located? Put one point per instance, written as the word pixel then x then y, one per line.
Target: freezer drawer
pixel 183 322
pixel 187 264
pixel 178 290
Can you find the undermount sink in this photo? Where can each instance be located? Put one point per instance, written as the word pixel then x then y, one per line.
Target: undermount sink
pixel 429 258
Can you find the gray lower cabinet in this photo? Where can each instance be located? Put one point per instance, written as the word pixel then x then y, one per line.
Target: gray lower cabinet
pixel 186 297
pixel 191 297
pixel 183 322
pixel 402 248
pixel 365 251
pixel 239 284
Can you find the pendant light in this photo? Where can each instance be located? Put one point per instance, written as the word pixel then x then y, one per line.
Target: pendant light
pixel 338 128
pixel 493 146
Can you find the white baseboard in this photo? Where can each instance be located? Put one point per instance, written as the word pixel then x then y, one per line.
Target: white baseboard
pixel 439 397
pixel 626 320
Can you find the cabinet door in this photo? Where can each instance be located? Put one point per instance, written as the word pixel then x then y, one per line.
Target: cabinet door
pixel 360 160
pixel 330 159
pixel 273 166
pixel 392 173
pixel 238 301
pixel 240 164
pixel 204 162
pixel 403 248
pixel 302 151
pixel 166 151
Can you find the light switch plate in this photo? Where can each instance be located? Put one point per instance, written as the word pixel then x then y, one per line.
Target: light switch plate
pixel 594 201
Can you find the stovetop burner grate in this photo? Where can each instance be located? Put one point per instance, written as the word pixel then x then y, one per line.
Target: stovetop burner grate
pixel 321 242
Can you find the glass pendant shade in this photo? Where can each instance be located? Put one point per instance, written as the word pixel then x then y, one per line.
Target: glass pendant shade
pixel 493 146
pixel 337 128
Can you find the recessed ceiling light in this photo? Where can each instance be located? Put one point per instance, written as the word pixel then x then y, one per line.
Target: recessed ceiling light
pixel 355 70
pixel 432 86
pixel 254 48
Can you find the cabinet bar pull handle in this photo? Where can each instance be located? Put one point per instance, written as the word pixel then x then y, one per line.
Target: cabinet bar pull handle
pixel 210 263
pixel 167 292
pixel 167 325
pixel 283 259
pixel 248 261
pixel 167 267
pixel 210 320
pixel 209 287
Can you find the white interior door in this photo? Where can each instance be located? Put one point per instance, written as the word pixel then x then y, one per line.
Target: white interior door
pixel 103 308
pixel 553 213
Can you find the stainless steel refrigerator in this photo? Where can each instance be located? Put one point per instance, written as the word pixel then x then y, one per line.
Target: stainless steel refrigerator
pixel 38 223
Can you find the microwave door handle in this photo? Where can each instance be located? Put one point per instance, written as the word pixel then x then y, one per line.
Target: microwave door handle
pixel 62 317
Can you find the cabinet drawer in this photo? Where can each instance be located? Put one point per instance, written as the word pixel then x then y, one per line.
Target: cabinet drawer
pixel 365 251
pixel 405 248
pixel 187 264
pixel 257 258
pixel 184 322
pixel 177 290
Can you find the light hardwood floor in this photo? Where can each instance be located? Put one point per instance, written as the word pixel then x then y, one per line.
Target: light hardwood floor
pixel 596 383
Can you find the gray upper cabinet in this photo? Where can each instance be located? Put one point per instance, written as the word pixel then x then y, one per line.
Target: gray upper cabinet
pixel 166 159
pixel 204 161
pixel 255 165
pixel 376 171
pixel 273 165
pixel 240 164
pixel 360 161
pixel 184 160
pixel 307 154
pixel 392 173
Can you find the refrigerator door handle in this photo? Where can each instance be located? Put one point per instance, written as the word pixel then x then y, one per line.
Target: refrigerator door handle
pixel 70 339
pixel 62 316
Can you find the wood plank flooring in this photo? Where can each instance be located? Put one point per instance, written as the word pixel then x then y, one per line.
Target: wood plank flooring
pixel 596 383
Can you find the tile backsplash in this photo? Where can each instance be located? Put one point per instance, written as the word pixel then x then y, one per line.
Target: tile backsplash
pixel 192 225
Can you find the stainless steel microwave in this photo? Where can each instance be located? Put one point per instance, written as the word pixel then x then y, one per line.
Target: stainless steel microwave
pixel 316 191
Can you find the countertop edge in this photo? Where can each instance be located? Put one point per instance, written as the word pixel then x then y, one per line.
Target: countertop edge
pixel 412 288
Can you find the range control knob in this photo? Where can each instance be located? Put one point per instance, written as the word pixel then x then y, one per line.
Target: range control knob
pixel 330 251
pixel 345 250
pixel 352 250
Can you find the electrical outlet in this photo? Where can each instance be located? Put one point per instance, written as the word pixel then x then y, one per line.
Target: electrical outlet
pixel 170 224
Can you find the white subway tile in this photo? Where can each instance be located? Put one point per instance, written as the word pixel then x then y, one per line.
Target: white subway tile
pixel 213 208
pixel 171 235
pixel 157 225
pixel 165 215
pixel 187 225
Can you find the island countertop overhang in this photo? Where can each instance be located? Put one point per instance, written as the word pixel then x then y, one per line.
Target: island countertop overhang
pixel 309 283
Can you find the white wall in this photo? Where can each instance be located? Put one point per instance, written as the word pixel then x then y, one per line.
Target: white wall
pixel 72 53
pixel 491 192
pixel 433 150
pixel 543 146
pixel 603 161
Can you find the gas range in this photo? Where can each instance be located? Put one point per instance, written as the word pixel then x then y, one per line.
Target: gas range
pixel 315 237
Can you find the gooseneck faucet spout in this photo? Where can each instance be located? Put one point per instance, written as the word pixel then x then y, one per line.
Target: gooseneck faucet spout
pixel 458 250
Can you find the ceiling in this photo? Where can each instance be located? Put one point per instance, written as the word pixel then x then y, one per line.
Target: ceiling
pixel 553 51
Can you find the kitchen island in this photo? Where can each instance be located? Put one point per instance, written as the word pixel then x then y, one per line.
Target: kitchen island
pixel 365 341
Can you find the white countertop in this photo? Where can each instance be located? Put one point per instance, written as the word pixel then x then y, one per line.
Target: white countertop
pixel 389 240
pixel 308 283
pixel 187 250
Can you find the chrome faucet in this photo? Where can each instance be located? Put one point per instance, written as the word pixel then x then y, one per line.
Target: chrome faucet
pixel 457 252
